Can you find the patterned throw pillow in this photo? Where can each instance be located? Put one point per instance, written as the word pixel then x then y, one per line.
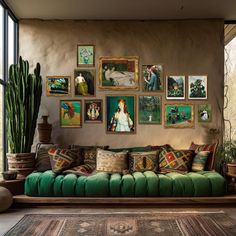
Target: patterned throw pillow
pixel 61 159
pixel 80 170
pixel 143 161
pixel 42 159
pixel 166 147
pixel 88 154
pixel 179 160
pixel 111 162
pixel 206 147
pixel 199 161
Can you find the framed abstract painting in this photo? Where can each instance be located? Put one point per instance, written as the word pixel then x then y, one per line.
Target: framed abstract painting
pixel 58 85
pixel 120 114
pixel 70 113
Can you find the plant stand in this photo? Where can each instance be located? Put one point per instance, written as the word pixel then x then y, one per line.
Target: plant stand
pixel 231 182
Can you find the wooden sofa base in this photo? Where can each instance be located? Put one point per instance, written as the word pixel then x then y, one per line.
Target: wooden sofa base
pixel 23 199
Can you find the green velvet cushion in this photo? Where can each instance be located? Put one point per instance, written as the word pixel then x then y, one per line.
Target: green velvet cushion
pixel 137 184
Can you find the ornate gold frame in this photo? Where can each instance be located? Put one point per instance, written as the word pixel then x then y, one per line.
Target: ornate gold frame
pixel 149 95
pixel 58 95
pixel 135 120
pixel 81 110
pixel 136 73
pixel 179 125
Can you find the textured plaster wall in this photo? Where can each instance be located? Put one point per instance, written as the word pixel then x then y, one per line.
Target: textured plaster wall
pixel 184 47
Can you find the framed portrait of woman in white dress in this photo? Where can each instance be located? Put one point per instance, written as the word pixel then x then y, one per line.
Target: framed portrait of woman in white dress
pixel 121 114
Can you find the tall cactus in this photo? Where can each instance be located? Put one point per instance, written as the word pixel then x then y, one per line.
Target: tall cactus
pixel 23 97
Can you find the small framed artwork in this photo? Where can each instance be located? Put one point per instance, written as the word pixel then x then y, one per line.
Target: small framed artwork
pixel 152 78
pixel 70 113
pixel 118 73
pixel 93 111
pixel 179 116
pixel 85 55
pixel 120 114
pixel 84 84
pixel 197 86
pixel 149 109
pixel 204 113
pixel 58 85
pixel 175 87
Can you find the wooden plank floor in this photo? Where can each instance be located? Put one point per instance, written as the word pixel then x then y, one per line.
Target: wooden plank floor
pixel 23 199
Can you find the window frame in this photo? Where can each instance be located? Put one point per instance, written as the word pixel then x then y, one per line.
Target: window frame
pixel 7 12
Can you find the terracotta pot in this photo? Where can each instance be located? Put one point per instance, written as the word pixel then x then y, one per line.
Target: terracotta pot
pixel 23 163
pixel 45 130
pixel 231 168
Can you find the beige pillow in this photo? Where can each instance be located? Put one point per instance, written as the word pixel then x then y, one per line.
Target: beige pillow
pixel 111 162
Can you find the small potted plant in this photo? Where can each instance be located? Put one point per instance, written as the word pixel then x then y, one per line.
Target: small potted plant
pixel 23 98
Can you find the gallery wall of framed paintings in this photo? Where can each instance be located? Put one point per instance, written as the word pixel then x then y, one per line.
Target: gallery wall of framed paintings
pixel 123 111
pixel 177 48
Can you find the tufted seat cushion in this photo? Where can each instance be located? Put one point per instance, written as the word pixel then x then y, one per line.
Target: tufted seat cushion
pixel 137 184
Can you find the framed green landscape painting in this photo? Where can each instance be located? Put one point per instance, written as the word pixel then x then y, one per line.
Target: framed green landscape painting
pixel 120 114
pixel 197 86
pixel 204 113
pixel 70 113
pixel 149 109
pixel 179 116
pixel 175 87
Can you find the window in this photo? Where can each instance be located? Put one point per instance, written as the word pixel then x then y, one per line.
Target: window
pixel 8 56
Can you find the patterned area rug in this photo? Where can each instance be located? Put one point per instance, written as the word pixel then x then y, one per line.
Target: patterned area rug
pixel 124 224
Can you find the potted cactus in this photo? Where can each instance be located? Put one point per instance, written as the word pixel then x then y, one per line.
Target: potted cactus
pixel 23 97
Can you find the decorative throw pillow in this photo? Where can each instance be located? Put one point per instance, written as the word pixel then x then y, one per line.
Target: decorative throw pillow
pixel 42 159
pixel 132 149
pixel 88 154
pixel 143 161
pixel 111 162
pixel 79 170
pixel 166 147
pixel 206 147
pixel 199 161
pixel 61 159
pixel 179 160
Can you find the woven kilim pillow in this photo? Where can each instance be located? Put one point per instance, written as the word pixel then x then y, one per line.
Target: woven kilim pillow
pixel 111 162
pixel 42 158
pixel 143 161
pixel 200 160
pixel 61 159
pixel 179 160
pixel 206 147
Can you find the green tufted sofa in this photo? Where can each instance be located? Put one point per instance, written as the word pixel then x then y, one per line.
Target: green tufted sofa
pixel 147 184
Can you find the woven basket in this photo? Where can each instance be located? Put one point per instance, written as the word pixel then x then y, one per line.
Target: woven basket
pixel 23 163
